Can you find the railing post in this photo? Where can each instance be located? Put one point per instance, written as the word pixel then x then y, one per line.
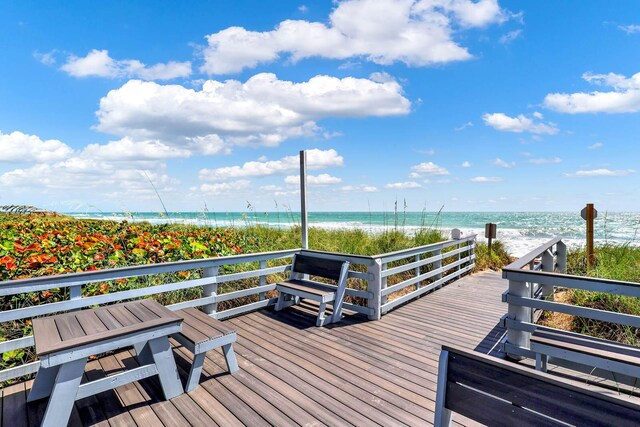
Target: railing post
pixel 436 265
pixel 263 279
pixel 472 252
pixel 383 282
pixel 209 290
pixel 75 292
pixel 375 286
pixel 417 271
pixel 548 264
pixel 561 251
pixel 519 313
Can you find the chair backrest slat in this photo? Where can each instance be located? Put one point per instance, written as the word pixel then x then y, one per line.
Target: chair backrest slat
pixel 316 266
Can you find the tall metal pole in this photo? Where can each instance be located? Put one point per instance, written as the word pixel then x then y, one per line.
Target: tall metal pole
pixel 303 199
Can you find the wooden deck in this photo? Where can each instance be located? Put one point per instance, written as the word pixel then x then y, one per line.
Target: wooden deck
pixel 292 373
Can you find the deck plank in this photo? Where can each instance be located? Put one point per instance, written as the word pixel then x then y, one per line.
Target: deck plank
pixel 14 407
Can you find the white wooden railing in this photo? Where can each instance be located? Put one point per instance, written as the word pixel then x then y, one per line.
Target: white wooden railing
pixel 532 280
pixel 431 265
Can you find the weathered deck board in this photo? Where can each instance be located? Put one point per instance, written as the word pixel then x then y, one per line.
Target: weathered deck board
pixel 291 373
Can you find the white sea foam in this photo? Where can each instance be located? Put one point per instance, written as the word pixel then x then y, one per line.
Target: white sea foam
pixel 521 232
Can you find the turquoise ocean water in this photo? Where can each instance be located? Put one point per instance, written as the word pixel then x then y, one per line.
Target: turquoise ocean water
pixel 521 231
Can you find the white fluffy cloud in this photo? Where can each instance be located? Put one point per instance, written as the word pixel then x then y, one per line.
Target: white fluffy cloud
pixel 486 179
pixel 86 176
pixel 116 169
pixel 519 124
pixel 20 147
pixel 126 149
pixel 630 29
pixel 262 111
pixel 595 146
pixel 429 168
pixel 504 164
pixel 416 32
pixel 408 185
pixel 509 37
pixel 98 63
pixel 624 96
pixel 542 160
pixel 363 188
pixel 600 172
pixel 321 180
pixel 316 159
pixel 226 187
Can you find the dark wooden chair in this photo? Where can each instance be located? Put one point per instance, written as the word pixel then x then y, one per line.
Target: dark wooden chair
pixel 500 393
pixel 291 291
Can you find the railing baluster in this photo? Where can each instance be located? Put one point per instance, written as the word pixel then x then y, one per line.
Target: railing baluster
pixel 437 265
pixel 263 279
pixel 518 313
pixel 374 285
pixel 210 290
pixel 417 270
pixel 548 264
pixel 561 252
pixel 383 284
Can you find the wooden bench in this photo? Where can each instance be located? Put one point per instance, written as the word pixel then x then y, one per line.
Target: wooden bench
pixel 201 333
pixel 499 393
pixel 585 350
pixel 291 291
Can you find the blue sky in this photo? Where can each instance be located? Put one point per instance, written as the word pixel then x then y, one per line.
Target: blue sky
pixel 470 105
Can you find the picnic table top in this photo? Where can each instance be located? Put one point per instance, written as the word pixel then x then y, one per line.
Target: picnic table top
pixel 70 330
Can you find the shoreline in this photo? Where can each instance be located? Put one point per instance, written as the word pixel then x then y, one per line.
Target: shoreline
pixel 517 241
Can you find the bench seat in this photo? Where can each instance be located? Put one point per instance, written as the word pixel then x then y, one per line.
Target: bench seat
pixel 201 333
pixel 313 289
pixel 608 355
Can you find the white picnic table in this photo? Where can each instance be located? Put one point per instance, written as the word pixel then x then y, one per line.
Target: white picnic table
pixel 64 343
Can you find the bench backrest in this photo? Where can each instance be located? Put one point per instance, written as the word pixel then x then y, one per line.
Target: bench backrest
pixel 496 392
pixel 317 266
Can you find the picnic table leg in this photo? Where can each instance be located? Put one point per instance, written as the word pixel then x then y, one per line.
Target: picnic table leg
pixel 230 357
pixel 143 353
pixel 196 370
pixel 43 384
pixel 166 364
pixel 63 395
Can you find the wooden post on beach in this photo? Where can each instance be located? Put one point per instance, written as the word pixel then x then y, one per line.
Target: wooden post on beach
pixel 589 213
pixel 303 199
pixel 490 233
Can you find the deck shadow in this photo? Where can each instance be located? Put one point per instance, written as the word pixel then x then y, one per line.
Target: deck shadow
pixel 492 342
